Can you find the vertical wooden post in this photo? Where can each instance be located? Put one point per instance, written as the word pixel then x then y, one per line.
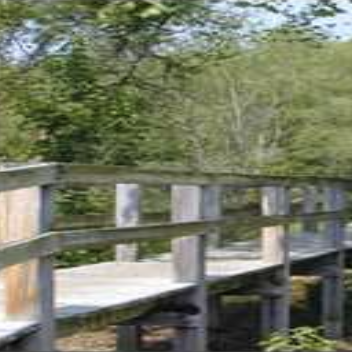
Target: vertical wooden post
pixel 310 205
pixel 127 214
pixel 215 311
pixel 189 266
pixel 212 211
pixel 275 247
pixel 129 338
pixel 29 287
pixel 333 274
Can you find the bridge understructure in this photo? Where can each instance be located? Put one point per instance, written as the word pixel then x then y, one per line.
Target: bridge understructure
pixel 300 227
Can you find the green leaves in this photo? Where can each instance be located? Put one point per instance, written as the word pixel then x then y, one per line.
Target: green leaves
pixel 12 13
pixel 301 339
pixel 118 12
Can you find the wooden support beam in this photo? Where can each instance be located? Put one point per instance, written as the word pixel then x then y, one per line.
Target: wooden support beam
pixel 212 211
pixel 275 309
pixel 189 266
pixel 310 205
pixel 215 311
pixel 332 302
pixel 127 214
pixel 128 197
pixel 275 201
pixel 333 274
pixel 29 288
pixel 275 248
pixel 18 221
pixel 27 176
pixel 128 338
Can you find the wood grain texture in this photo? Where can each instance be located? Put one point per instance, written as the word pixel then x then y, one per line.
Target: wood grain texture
pixel 188 255
pixel 333 292
pixel 127 214
pixel 12 178
pixel 101 174
pixel 19 218
pixel 275 201
pixel 211 210
pixel 107 289
pixel 276 294
pixel 55 242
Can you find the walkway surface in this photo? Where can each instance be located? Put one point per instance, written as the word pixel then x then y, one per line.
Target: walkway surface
pixel 88 289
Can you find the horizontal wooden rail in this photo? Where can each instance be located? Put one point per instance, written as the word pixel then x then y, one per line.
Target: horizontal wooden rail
pixel 101 174
pixel 42 174
pixel 58 241
pixel 28 176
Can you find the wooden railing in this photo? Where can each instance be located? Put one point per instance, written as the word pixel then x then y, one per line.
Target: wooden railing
pixel 29 244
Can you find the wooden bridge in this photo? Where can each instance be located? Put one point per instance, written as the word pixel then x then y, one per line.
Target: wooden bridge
pixel 181 289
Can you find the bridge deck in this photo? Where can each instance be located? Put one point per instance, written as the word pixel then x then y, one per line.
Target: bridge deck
pixel 89 289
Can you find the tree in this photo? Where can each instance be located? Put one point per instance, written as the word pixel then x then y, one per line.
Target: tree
pixel 88 74
pixel 276 107
pixel 91 72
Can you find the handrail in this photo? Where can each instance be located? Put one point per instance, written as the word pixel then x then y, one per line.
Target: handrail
pixel 104 174
pixel 16 177
pixel 42 174
pixel 57 241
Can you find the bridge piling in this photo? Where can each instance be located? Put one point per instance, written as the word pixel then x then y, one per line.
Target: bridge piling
pixel 189 265
pixel 333 273
pixel 127 214
pixel 275 250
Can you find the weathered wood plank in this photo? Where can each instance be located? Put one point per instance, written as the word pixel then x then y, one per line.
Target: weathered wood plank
pixel 19 221
pixel 28 176
pixel 22 251
pixel 94 174
pixel 28 287
pixel 55 242
pixel 101 174
pixel 189 265
pixel 275 242
pixel 212 209
pixel 310 205
pixel 187 254
pixel 333 299
pixel 333 274
pixel 44 339
pixel 127 214
pixel 51 173
pixel 104 290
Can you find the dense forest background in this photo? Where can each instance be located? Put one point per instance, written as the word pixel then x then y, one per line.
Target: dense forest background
pixel 203 84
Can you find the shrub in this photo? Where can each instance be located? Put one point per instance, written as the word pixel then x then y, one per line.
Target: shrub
pixel 301 339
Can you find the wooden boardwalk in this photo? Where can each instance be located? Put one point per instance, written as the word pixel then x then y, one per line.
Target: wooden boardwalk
pixel 90 289
pixel 34 299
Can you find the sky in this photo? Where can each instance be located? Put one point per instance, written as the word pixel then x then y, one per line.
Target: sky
pixel 341 24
